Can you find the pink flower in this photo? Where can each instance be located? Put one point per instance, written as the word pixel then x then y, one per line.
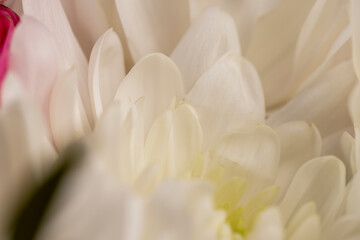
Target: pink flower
pixel 8 21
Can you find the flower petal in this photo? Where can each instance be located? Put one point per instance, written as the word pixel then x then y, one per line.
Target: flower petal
pixel 210 36
pixel 153 26
pixel 355 21
pixel 106 71
pixel 276 34
pixel 67 115
pixel 157 79
pixel 52 15
pixel 119 141
pixel 328 114
pixel 345 228
pixel 254 150
pixel 299 142
pixel 321 180
pixel 228 96
pixel 353 196
pixel 87 20
pixel 35 61
pixel 268 226
pixel 174 140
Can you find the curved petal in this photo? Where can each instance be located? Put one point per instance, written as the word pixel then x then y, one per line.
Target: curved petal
pixel 313 103
pixel 353 196
pixel 299 143
pixel 119 141
pixel 174 140
pixel 254 149
pixel 355 22
pixel 157 79
pixel 88 21
pixel 106 71
pixel 276 34
pixel 153 26
pixel 268 226
pixel 35 60
pixel 346 228
pixel 244 12
pixel 67 115
pixel 211 35
pixel 25 152
pixel 322 181
pixel 52 15
pixel 228 96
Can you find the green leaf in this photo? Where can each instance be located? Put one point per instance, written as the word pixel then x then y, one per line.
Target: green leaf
pixel 32 212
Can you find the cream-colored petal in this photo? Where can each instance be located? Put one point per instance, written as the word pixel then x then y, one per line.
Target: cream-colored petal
pixel 310 229
pixel 35 61
pixel 276 34
pixel 106 71
pixel 25 153
pixel 67 115
pixel 153 26
pixel 182 210
pixel 340 144
pixel 52 15
pixel 255 150
pixel 313 103
pixel 355 115
pixel 228 96
pixel 268 226
pixel 305 211
pixel 322 181
pixel 355 21
pixel 119 141
pixel 324 24
pixel 345 228
pixel 244 12
pixel 174 140
pixel 91 205
pixel 88 21
pixel 353 196
pixel 299 143
pixel 211 35
pixel 157 79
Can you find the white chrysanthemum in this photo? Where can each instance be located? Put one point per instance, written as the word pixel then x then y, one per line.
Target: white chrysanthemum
pixel 202 119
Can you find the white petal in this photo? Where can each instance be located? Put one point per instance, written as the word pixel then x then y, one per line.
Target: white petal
pixel 180 210
pixel 355 115
pixel 174 140
pixel 321 180
pixel 67 115
pixel 228 96
pixel 25 151
pixel 305 211
pixel 313 103
pixel 272 46
pixel 153 26
pixel 106 71
pixel 353 197
pixel 268 226
pixel 245 13
pixel 310 229
pixel 299 142
pixel 35 61
pixel 255 150
pixel 52 15
pixel 210 36
pixel 119 140
pixel 324 24
pixel 87 20
pixel 355 21
pixel 340 144
pixel 157 79
pixel 90 205
pixel 346 228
